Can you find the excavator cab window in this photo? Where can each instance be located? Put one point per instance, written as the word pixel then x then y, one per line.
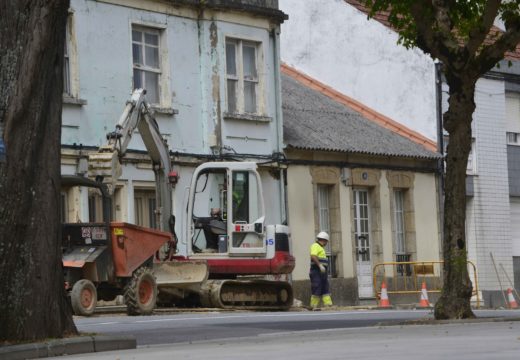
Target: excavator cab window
pixel 247 213
pixel 209 215
pixel 240 196
pixel 228 212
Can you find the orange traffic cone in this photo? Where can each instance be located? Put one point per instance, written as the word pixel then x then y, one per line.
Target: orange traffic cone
pixel 511 299
pixel 424 296
pixel 384 302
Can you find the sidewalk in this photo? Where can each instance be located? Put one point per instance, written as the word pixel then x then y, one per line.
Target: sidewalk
pixel 68 346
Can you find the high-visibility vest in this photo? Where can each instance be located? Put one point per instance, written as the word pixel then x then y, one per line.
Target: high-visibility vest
pixel 318 251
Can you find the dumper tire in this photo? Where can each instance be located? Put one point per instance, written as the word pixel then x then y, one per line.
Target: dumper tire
pixel 141 293
pixel 83 297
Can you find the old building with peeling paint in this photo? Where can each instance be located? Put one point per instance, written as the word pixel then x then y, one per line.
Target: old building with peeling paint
pixel 211 70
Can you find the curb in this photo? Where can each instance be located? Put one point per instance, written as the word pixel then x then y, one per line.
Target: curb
pixel 68 346
pixel 443 322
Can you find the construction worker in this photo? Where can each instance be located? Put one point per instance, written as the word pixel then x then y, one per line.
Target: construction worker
pixel 318 272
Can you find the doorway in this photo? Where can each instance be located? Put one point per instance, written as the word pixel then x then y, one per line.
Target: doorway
pixel 362 243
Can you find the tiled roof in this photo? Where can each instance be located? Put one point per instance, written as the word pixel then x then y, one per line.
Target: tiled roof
pixel 317 117
pixel 382 17
pixel 362 109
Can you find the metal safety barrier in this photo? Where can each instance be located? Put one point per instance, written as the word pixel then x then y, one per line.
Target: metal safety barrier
pixel 406 277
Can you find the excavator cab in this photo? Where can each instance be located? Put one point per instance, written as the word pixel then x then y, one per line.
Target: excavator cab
pixel 226 210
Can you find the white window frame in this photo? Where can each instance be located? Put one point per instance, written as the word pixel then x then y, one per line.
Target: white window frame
pixel 163 101
pixel 362 223
pixel 66 63
pixel 70 58
pixel 324 193
pixel 399 223
pixel 471 167
pixel 513 118
pixel 239 78
pixel 513 138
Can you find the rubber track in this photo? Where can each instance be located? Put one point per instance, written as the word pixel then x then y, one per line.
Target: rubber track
pixel 247 295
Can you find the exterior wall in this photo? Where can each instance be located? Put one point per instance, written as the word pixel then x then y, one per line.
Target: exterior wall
pixel 192 111
pixel 336 44
pixel 301 183
pixel 386 220
pixel 489 230
pixel 427 227
pixel 194 55
pixel 301 217
pixel 355 59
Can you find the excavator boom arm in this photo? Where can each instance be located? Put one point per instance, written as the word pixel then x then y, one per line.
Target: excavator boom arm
pixel 105 165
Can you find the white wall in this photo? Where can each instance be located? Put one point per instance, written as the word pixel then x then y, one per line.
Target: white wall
pixel 426 217
pixel 335 43
pixel 301 217
pixel 490 230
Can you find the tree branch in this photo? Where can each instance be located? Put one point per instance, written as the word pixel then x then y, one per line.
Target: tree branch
pixel 434 30
pixel 478 34
pixel 493 53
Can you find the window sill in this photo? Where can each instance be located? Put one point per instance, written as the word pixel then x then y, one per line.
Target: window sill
pixel 67 99
pixel 164 110
pixel 247 117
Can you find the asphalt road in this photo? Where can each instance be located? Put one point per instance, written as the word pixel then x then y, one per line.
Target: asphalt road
pixel 477 341
pixel 190 327
pixel 310 335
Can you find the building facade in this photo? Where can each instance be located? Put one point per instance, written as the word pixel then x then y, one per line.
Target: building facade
pixel 362 183
pixel 363 60
pixel 211 71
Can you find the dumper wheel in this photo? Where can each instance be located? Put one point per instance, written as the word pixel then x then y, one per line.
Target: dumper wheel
pixel 141 293
pixel 83 297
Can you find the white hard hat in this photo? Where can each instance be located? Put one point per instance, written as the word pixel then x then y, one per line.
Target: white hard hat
pixel 323 235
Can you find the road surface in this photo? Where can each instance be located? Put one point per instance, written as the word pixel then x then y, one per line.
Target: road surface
pixel 280 336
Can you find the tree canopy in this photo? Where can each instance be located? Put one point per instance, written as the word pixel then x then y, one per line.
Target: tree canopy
pixel 458 33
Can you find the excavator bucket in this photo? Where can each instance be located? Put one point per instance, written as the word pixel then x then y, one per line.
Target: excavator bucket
pixel 105 164
pixel 178 278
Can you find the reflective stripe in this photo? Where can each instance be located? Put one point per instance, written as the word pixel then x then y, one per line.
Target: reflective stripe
pixel 327 300
pixel 324 262
pixel 315 301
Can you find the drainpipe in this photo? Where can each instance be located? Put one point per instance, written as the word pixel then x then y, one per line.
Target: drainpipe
pixel 440 145
pixel 279 123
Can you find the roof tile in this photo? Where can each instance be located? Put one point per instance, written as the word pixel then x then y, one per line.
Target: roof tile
pixel 317 117
pixel 365 111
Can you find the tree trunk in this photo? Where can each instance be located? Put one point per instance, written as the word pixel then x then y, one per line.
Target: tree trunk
pixel 33 303
pixel 454 302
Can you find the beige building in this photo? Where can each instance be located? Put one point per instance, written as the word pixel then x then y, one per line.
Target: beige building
pixel 368 181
